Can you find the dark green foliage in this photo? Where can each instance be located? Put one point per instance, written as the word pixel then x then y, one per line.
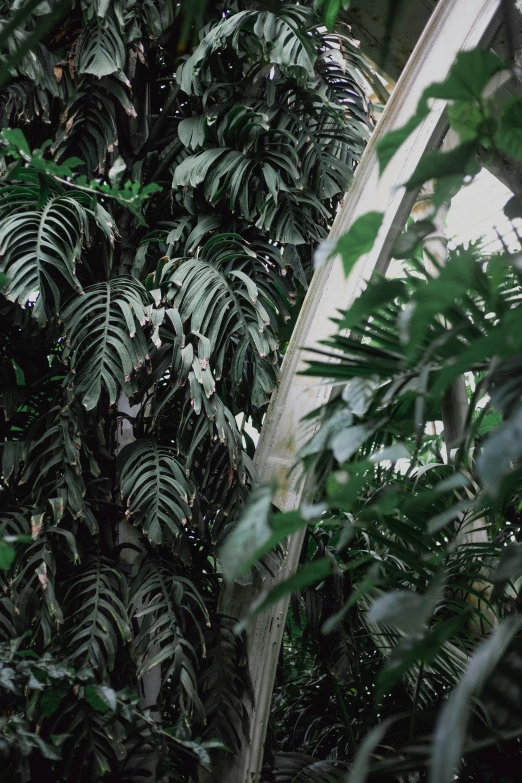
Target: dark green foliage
pixel 424 545
pixel 165 171
pixel 50 713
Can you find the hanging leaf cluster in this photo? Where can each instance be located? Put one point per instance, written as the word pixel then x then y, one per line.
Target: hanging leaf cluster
pixel 165 170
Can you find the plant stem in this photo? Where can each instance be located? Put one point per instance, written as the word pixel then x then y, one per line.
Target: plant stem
pixel 416 700
pixel 345 714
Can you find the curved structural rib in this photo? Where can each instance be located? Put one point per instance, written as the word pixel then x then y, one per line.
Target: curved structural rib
pixel 454 25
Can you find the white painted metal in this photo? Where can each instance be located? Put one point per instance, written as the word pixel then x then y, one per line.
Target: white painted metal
pixel 454 25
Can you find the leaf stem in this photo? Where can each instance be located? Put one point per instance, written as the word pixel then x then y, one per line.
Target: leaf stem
pixel 416 700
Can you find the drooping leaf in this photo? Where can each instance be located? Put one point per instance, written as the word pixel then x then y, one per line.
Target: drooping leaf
pixel 450 730
pixel 349 440
pixel 308 575
pixel 7 555
pixel 94 697
pixel 460 160
pixel 468 77
pixel 254 536
pixel 163 603
pixel 101 51
pixel 501 450
pixel 96 624
pixel 105 341
pixel 40 248
pixel 155 489
pixel 358 240
pixel 406 611
pixel 51 700
pixel 410 240
pixel 509 133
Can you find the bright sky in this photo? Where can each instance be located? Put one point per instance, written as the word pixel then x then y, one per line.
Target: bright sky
pixel 476 211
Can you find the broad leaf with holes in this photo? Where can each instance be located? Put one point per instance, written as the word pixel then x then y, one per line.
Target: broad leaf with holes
pixel 40 246
pixel 155 490
pixel 169 611
pixel 105 343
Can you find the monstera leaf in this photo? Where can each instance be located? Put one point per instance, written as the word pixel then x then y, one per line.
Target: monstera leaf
pixel 166 606
pixel 105 343
pixel 226 296
pixel 95 618
pixel 280 37
pixel 40 246
pixel 101 51
pixel 155 488
pixel 89 127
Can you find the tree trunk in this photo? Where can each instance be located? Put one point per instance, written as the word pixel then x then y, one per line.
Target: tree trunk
pixel 454 25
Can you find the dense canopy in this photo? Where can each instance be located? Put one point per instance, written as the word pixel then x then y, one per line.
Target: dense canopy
pixel 165 178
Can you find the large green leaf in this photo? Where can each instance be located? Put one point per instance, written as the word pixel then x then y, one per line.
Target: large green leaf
pixel 155 489
pixel 166 606
pixel 40 247
pixel 509 133
pixel 255 534
pixel 280 37
pixel 105 343
pixel 95 619
pixel 53 461
pixel 466 81
pixel 227 296
pixel 433 165
pixel 358 240
pixel 307 575
pixel 101 51
pixel 89 127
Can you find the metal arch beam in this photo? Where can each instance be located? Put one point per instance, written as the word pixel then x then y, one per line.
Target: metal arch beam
pixel 453 26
